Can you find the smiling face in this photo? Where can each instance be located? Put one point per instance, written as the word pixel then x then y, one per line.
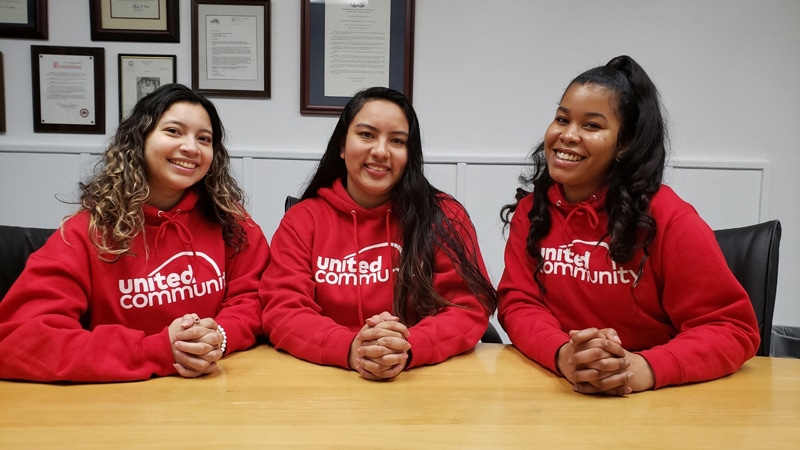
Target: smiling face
pixel 177 152
pixel 581 143
pixel 375 152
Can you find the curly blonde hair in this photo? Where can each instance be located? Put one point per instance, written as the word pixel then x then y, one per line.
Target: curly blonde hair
pixel 115 194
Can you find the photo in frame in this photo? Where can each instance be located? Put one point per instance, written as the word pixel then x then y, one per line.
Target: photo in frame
pixel 68 89
pixel 348 46
pixel 231 48
pixel 23 19
pixel 135 20
pixel 140 75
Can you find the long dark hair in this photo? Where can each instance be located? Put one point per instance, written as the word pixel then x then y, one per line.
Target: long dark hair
pixel 634 176
pixel 114 195
pixel 418 204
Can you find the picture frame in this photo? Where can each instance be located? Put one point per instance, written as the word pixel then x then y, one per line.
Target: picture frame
pixel 24 19
pixel 351 45
pixel 231 48
pixel 2 96
pixel 68 89
pixel 141 74
pixel 139 20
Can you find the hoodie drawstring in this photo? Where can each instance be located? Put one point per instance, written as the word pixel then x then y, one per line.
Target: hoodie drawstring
pixel 361 318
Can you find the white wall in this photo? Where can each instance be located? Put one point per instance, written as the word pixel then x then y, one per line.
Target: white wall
pixel 487 76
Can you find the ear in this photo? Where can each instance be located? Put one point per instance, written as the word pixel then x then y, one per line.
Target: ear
pixel 341 152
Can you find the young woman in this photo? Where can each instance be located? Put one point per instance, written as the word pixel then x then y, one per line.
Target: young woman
pixel 375 269
pixel 158 272
pixel 610 278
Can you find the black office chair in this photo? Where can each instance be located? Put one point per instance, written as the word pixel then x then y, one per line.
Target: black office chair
pixel 752 255
pixel 16 244
pixel 491 336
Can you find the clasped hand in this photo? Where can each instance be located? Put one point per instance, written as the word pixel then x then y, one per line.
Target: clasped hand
pixel 380 349
pixel 195 345
pixel 595 362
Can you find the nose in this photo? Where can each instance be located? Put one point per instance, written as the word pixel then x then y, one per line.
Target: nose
pixel 570 133
pixel 380 150
pixel 189 144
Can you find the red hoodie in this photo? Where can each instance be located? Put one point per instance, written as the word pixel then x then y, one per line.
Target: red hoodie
pixel 71 316
pixel 333 265
pixel 687 315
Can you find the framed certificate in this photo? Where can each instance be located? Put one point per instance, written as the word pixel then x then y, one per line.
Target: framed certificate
pixel 231 48
pixel 135 20
pixel 23 19
pixel 140 75
pixel 351 45
pixel 68 89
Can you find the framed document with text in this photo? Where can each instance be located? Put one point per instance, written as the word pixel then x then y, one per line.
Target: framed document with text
pixel 23 19
pixel 135 20
pixel 140 75
pixel 68 89
pixel 231 48
pixel 351 45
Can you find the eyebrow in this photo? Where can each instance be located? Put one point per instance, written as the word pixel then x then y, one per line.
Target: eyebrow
pixel 590 114
pixel 366 125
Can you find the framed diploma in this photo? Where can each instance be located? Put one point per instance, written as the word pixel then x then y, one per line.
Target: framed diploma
pixel 140 75
pixel 23 19
pixel 68 89
pixel 2 97
pixel 134 20
pixel 231 48
pixel 351 45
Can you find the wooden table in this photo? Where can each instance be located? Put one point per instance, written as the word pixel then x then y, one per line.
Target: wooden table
pixel 492 397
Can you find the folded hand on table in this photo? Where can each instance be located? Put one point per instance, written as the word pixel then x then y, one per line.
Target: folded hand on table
pixel 380 349
pixel 595 362
pixel 195 345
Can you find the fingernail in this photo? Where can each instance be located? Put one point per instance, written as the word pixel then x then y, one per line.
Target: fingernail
pixel 628 390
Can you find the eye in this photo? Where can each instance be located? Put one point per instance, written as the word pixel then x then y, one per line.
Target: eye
pixel 561 120
pixel 171 130
pixel 592 126
pixel 365 134
pixel 399 141
pixel 206 139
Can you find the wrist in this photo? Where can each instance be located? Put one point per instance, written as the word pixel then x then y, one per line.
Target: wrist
pixel 224 344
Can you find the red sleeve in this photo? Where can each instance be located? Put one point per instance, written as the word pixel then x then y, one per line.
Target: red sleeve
pixel 717 327
pixel 455 329
pixel 528 321
pixel 292 319
pixel 41 335
pixel 240 312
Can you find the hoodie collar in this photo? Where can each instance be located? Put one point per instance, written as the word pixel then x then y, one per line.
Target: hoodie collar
pixel 338 197
pixel 588 208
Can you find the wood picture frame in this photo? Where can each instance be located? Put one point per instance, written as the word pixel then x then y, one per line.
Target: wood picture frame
pixel 2 97
pixel 141 74
pixel 231 48
pixel 68 89
pixel 24 19
pixel 349 46
pixel 140 21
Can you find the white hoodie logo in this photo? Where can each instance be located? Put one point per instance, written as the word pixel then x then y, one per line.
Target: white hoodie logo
pixel 349 271
pixel 176 283
pixel 564 261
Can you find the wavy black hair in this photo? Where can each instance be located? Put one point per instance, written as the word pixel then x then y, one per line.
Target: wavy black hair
pixel 633 177
pixel 417 203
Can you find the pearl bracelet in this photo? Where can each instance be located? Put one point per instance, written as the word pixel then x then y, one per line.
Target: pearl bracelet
pixel 224 338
